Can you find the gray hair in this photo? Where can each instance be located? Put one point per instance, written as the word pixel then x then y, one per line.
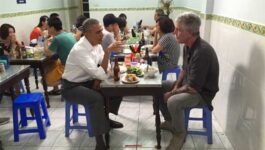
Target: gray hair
pixel 190 21
pixel 160 12
pixel 88 23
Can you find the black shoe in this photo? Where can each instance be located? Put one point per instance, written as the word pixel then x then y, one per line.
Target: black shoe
pixel 115 124
pixel 54 92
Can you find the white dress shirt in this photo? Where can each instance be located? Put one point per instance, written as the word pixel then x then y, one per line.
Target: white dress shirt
pixel 82 62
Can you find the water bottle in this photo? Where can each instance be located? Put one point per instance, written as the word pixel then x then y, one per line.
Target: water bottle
pixel 40 41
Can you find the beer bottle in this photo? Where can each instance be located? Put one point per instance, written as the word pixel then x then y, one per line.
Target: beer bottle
pixel 142 41
pixel 17 53
pixel 116 70
pixel 23 51
pixel 147 58
pixel 139 25
pixel 133 33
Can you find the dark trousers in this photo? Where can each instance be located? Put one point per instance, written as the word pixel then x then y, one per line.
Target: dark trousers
pixel 81 93
pixel 114 104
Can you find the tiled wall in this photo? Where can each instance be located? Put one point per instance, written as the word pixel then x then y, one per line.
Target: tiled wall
pixel 27 16
pixel 239 105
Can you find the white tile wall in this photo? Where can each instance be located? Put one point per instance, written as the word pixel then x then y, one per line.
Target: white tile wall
pixel 239 105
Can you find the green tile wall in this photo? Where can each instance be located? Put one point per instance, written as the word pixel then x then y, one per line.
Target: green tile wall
pixel 9 15
pixel 248 26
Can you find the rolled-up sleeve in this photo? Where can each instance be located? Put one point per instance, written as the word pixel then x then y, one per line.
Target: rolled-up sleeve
pixel 100 74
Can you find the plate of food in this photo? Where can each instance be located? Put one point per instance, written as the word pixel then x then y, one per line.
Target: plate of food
pixel 135 70
pixel 130 79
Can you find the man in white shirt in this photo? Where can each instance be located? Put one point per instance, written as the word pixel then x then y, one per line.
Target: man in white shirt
pixel 111 33
pixel 85 68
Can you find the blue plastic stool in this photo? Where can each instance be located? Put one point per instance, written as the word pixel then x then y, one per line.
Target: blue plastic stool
pixel 74 118
pixel 173 70
pixel 33 101
pixel 207 122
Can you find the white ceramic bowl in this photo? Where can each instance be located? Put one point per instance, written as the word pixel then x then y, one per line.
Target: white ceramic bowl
pixel 151 71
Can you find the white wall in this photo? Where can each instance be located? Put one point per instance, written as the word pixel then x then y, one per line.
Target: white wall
pixel 192 4
pixel 24 23
pixel 248 10
pixel 123 3
pixel 239 105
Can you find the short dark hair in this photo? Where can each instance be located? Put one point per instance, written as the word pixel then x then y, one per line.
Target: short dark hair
pixel 109 19
pixel 79 21
pixel 54 15
pixel 56 23
pixel 42 19
pixel 166 24
pixel 122 15
pixel 4 30
pixel 88 23
pixel 122 24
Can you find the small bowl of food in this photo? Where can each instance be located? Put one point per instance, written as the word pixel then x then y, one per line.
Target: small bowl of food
pixel 150 71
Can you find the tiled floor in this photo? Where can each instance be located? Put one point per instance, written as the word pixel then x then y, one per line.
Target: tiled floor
pixel 135 113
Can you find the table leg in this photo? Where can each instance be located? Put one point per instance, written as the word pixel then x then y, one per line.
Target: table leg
pixel 36 77
pixel 12 92
pixel 44 84
pixel 1 96
pixel 26 81
pixel 157 120
pixel 1 145
pixel 107 136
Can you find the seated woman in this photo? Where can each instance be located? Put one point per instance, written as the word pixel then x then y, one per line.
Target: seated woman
pixel 8 43
pixel 8 40
pixel 167 45
pixel 40 29
pixel 79 22
pixel 152 28
pixel 123 24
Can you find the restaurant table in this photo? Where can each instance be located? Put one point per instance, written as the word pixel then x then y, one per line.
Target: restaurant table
pixel 145 86
pixel 13 75
pixel 42 63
